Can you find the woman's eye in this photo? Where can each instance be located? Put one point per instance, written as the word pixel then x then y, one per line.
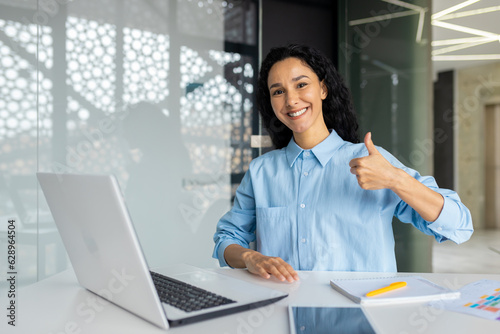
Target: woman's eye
pixel 302 84
pixel 277 92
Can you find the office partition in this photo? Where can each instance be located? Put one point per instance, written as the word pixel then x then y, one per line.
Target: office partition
pixel 384 54
pixel 158 93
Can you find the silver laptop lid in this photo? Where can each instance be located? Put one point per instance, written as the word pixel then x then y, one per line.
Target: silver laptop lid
pixel 97 232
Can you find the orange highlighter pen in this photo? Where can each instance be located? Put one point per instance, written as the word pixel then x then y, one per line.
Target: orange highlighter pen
pixel 392 286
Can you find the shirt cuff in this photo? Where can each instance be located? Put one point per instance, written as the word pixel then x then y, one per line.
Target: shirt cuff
pixel 447 222
pixel 222 247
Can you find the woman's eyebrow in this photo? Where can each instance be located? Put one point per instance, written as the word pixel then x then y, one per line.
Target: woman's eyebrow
pixel 278 84
pixel 300 77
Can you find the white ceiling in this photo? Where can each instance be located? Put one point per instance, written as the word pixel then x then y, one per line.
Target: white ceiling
pixel 484 24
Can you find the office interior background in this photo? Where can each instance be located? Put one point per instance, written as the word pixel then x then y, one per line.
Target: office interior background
pixel 162 95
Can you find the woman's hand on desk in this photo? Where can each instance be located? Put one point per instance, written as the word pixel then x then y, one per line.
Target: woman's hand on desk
pixel 258 264
pixel 267 266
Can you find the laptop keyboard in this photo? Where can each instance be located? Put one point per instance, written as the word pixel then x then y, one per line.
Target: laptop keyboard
pixel 186 296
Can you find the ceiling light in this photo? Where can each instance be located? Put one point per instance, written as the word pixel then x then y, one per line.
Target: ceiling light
pixel 417 9
pixel 382 17
pixel 463 29
pixel 407 5
pixel 470 13
pixel 465 57
pixel 457 47
pixel 465 40
pixel 420 27
pixel 453 9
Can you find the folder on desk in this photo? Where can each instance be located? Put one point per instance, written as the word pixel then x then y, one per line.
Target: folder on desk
pixel 417 289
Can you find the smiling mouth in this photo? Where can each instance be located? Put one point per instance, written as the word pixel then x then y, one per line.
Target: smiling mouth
pixel 297 113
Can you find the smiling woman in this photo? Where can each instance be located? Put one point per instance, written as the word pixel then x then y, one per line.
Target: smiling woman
pixel 296 98
pixel 322 201
pixel 336 105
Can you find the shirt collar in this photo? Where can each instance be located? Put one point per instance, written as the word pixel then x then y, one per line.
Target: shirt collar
pixel 323 151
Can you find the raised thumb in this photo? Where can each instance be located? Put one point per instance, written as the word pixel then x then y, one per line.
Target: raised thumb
pixel 369 144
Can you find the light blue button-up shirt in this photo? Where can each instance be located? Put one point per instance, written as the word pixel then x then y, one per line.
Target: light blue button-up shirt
pixel 306 207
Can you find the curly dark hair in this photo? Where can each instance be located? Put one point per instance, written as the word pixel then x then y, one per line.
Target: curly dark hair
pixel 338 110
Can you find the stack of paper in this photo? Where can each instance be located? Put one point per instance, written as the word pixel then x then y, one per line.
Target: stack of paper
pixel 481 298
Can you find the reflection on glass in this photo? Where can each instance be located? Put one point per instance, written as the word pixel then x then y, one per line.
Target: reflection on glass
pixel 154 186
pixel 18 75
pixel 90 56
pixel 233 19
pixel 329 320
pixel 25 107
pixel 146 66
pixel 388 87
pixel 391 93
pixel 144 89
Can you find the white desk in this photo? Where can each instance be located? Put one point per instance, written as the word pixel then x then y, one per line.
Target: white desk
pixel 50 307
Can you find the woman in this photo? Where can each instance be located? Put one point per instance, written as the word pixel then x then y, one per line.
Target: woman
pixel 323 201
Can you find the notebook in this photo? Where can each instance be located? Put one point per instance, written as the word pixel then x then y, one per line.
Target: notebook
pixel 96 229
pixel 417 289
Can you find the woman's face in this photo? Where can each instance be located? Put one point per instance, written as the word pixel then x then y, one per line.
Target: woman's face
pixel 297 95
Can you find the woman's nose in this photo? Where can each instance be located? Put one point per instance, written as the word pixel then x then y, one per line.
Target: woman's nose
pixel 291 98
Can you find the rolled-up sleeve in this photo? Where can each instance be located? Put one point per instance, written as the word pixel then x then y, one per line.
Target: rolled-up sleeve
pixel 238 225
pixel 453 223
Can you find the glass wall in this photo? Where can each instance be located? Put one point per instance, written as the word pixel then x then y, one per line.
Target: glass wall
pixel 158 93
pixel 385 56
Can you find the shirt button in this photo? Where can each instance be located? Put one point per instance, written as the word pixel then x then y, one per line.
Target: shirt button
pixel 439 228
pixel 307 154
pixel 302 205
pixel 303 240
pixel 306 173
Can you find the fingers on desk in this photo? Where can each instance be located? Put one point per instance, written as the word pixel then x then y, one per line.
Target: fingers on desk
pixel 275 266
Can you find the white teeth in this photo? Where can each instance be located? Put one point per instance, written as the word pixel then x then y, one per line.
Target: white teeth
pixel 298 113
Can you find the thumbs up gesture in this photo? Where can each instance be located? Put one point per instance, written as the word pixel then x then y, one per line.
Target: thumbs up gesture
pixel 373 171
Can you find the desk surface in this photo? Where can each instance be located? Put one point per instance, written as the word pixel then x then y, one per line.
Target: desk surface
pixel 51 307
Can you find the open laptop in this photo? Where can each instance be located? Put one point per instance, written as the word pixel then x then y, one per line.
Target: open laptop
pixel 93 220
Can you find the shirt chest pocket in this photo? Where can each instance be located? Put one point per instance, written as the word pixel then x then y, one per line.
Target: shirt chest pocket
pixel 273 229
pixel 264 214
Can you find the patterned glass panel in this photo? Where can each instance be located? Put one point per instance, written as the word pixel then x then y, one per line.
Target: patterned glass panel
pixel 144 90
